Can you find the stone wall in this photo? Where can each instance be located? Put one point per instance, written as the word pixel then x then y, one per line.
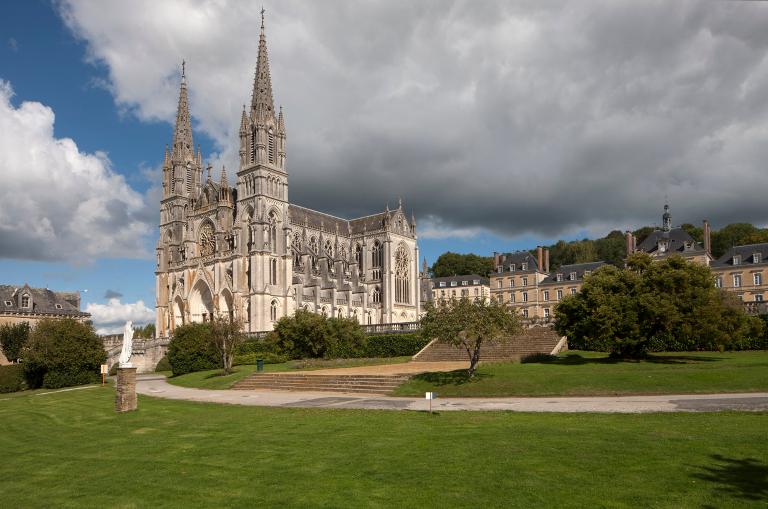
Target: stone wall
pixel 146 352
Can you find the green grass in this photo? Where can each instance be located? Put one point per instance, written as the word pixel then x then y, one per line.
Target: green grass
pixel 70 449
pixel 590 373
pixel 215 379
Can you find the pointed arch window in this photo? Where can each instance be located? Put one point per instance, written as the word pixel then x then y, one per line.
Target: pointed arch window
pixel 359 258
pixel 273 271
pixel 273 311
pixel 273 232
pixel 377 259
pixel 402 276
pixel 339 313
pixel 376 295
pixel 296 248
pixel 271 145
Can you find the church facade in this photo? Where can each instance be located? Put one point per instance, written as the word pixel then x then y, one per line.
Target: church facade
pixel 243 250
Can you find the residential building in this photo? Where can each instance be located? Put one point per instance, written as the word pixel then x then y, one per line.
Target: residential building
pixel 743 270
pixel 566 280
pixel 517 277
pixel 668 241
pixel 26 304
pixel 470 286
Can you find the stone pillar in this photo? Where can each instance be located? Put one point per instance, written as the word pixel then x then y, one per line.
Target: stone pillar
pixel 125 393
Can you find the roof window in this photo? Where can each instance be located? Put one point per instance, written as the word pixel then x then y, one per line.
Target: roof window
pixel 737 259
pixel 756 258
pixel 453 283
pixel 58 306
pixel 442 284
pixel 475 281
pixel 559 277
pixel 8 303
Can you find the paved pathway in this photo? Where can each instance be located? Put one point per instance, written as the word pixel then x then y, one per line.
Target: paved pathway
pixel 153 385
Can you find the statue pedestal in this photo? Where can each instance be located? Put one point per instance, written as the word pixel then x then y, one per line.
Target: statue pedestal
pixel 125 393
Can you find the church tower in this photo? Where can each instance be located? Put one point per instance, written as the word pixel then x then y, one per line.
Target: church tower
pixel 263 227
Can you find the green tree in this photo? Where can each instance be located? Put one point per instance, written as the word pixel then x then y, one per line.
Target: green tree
pixel 612 248
pixel 667 305
pixel 450 264
pixel 226 337
pixel 61 353
pixel 346 339
pixel 468 324
pixel 13 338
pixel 146 332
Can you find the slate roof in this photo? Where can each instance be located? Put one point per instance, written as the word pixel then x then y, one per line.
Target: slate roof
pixel 518 258
pixel 313 219
pixel 566 270
pixel 43 300
pixel 679 241
pixel 746 253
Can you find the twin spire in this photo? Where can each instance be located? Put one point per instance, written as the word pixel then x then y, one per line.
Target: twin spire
pixel 183 149
pixel 262 103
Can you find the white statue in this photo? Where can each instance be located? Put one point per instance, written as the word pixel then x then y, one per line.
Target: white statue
pixel 127 351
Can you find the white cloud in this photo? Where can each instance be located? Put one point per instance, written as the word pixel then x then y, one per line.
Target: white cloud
pixel 56 202
pixel 110 318
pixel 532 117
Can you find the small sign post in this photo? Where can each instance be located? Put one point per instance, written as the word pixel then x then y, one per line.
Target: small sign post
pixel 104 371
pixel 430 396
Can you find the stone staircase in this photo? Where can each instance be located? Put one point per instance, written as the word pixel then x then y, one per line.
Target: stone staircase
pixel 535 339
pixel 363 384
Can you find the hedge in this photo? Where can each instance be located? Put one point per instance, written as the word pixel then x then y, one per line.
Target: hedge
pixel 394 345
pixel 11 378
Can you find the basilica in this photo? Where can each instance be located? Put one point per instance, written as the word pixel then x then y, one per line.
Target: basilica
pixel 243 250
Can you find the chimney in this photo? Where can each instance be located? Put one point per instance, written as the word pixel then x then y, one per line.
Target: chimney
pixel 496 260
pixel 707 241
pixel 546 260
pixel 540 258
pixel 630 243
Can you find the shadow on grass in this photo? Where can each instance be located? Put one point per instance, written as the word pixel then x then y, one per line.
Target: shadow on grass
pixel 457 377
pixel 743 478
pixel 576 359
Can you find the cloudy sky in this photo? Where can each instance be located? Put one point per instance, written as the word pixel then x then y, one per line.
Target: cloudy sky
pixel 501 125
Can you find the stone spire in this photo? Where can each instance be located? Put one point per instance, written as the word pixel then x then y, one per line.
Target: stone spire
pixel 224 180
pixel 262 104
pixel 244 122
pixel 183 148
pixel 281 121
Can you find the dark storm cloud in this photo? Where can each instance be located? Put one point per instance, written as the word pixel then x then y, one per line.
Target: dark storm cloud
pixel 542 118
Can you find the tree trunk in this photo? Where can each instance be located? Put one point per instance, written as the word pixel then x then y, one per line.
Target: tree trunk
pixel 474 358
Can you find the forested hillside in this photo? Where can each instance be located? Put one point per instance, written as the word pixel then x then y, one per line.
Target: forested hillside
pixel 611 249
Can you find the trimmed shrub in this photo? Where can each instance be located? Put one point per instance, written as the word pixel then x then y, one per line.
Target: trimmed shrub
pixel 61 353
pixel 268 357
pixel 394 345
pixel 191 349
pixel 11 378
pixel 163 364
pixel 345 340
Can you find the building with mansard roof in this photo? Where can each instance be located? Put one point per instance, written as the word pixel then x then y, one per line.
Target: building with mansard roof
pixel 243 250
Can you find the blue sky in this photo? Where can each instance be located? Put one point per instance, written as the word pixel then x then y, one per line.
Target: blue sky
pixel 503 125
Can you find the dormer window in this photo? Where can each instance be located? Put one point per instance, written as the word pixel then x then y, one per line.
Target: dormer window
pixel 453 283
pixel 572 276
pixel 464 283
pixel 756 258
pixel 25 301
pixel 442 284
pixel 559 277
pixel 524 266
pixel 737 259
pixel 475 281
pixel 512 268
pixel 499 269
pixel 58 306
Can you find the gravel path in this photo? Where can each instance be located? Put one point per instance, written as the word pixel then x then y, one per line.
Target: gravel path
pixel 153 385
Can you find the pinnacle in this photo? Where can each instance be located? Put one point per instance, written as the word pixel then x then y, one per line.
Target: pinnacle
pixel 262 104
pixel 183 147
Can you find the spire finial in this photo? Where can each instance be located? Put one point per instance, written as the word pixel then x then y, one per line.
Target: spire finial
pixel 262 17
pixel 183 69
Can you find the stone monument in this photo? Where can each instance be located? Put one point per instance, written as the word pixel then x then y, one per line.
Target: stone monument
pixel 125 394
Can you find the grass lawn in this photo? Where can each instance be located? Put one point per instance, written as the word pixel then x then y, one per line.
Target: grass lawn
pixel 589 373
pixel 70 449
pixel 214 379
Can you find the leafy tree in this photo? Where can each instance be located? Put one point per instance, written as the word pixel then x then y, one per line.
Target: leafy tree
pixel 612 248
pixel 450 264
pixel 346 339
pixel 226 337
pixel 61 353
pixel 697 232
pixel 146 332
pixel 192 349
pixel 468 324
pixel 667 305
pixel 302 335
pixel 13 338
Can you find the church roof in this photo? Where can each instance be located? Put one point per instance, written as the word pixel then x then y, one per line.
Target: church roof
pixel 43 301
pixel 346 227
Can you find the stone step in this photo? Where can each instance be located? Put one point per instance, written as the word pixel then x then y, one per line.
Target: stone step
pixel 371 384
pixel 530 341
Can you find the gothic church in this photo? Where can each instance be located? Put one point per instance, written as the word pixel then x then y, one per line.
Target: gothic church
pixel 244 251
